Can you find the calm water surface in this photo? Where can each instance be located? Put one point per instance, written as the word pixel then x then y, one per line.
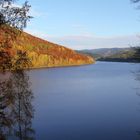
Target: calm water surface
pixel 94 102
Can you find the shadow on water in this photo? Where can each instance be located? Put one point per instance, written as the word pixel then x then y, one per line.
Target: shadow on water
pixel 16 109
pixel 137 78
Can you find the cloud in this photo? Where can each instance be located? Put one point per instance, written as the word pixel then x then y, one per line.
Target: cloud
pixel 90 41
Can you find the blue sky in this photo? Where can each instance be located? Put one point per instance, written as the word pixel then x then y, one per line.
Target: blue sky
pixel 86 24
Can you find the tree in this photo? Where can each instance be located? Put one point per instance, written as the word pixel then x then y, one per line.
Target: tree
pixel 15 16
pixel 22 111
pixel 13 19
pixel 137 49
pixel 16 109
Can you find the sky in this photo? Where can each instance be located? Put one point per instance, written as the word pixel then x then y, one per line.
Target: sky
pixel 85 24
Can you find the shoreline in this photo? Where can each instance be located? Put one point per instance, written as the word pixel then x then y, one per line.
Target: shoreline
pixel 66 66
pixel 118 61
pixel 46 67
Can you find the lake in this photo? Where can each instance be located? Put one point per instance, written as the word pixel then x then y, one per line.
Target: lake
pixel 92 102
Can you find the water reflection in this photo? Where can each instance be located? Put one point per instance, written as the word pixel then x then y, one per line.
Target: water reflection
pixel 137 78
pixel 16 109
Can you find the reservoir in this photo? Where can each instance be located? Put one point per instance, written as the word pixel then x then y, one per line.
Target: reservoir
pixel 93 102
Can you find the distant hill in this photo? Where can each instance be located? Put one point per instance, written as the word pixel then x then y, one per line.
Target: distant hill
pixel 103 52
pixel 43 53
pixel 115 54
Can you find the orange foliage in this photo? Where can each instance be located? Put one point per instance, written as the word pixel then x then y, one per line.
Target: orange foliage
pixel 44 53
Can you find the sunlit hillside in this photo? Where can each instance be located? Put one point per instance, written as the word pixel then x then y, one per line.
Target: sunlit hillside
pixel 43 53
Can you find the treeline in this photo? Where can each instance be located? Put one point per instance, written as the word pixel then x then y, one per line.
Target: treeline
pixel 133 55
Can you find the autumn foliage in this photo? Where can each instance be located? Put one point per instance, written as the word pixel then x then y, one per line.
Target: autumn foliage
pixel 43 53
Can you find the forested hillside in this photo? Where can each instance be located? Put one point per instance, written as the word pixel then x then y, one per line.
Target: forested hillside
pixel 131 54
pixel 43 53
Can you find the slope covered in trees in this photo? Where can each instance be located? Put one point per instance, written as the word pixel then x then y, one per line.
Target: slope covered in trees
pixel 43 53
pixel 131 54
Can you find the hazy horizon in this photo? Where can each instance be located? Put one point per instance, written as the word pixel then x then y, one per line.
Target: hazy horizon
pixel 85 24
